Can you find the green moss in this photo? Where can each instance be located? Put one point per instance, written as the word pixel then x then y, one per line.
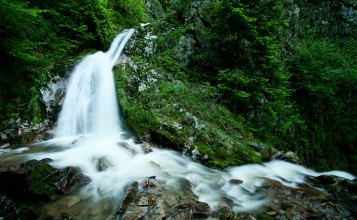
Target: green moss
pixel 181 115
pixel 42 181
pixel 263 216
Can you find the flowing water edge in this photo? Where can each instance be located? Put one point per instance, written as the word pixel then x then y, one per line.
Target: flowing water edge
pixel 90 129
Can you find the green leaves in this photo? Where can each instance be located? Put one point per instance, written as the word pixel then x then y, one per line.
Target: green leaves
pixel 42 37
pixel 324 81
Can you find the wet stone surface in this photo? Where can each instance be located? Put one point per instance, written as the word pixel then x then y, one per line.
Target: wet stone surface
pixel 337 201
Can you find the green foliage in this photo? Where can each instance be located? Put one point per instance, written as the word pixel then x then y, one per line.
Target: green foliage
pixel 247 68
pixel 40 38
pixel 129 13
pixel 23 31
pixel 325 82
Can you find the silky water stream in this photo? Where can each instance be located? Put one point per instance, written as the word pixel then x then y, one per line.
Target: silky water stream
pixel 89 128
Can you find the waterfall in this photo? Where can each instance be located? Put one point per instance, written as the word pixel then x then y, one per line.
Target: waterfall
pixel 91 110
pixel 90 105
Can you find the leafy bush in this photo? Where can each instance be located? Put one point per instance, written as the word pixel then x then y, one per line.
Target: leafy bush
pixel 324 82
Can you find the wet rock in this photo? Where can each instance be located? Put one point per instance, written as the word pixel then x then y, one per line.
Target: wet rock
pixel 130 192
pixel 187 205
pixel 135 213
pixel 37 180
pixel 103 164
pixel 124 137
pixel 52 93
pixel 127 147
pixel 159 212
pixel 147 147
pixel 304 202
pixel 143 201
pixel 176 201
pixel 201 210
pixel 163 201
pixel 73 201
pixel 10 209
pixel 185 214
pixel 69 178
pixel 235 182
pixel 225 213
pixel 288 156
pixel 150 182
pixel 46 135
pixel 19 133
pixel 258 146
pixel 184 185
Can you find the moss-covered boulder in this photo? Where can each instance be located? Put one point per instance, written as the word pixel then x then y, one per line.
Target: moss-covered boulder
pixel 37 180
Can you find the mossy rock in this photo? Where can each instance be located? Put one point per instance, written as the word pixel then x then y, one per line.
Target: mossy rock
pixel 36 180
pixel 42 180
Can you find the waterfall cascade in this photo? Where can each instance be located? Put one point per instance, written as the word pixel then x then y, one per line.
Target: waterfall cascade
pixel 90 106
pixel 91 110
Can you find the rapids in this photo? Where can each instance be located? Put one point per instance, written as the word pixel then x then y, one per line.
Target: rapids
pixel 89 128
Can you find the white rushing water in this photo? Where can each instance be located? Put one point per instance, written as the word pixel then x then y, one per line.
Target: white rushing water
pixel 90 106
pixel 89 128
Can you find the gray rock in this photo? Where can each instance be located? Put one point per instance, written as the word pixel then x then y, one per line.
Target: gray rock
pixel 3 136
pixel 225 213
pixel 103 164
pixel 147 147
pixel 130 193
pixel 235 182
pixel 135 213
pixel 258 146
pixel 69 178
pixel 185 214
pixel 37 180
pixel 201 210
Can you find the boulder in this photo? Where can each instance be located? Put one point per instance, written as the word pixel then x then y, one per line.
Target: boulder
pixel 201 210
pixel 129 194
pixel 69 178
pixel 37 180
pixel 330 198
pixel 103 164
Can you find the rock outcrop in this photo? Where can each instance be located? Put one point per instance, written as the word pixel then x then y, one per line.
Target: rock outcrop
pixel 38 181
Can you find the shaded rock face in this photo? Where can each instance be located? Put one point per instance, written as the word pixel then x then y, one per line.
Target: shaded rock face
pixel 156 200
pixel 37 180
pixel 19 133
pixel 337 201
pixel 10 209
